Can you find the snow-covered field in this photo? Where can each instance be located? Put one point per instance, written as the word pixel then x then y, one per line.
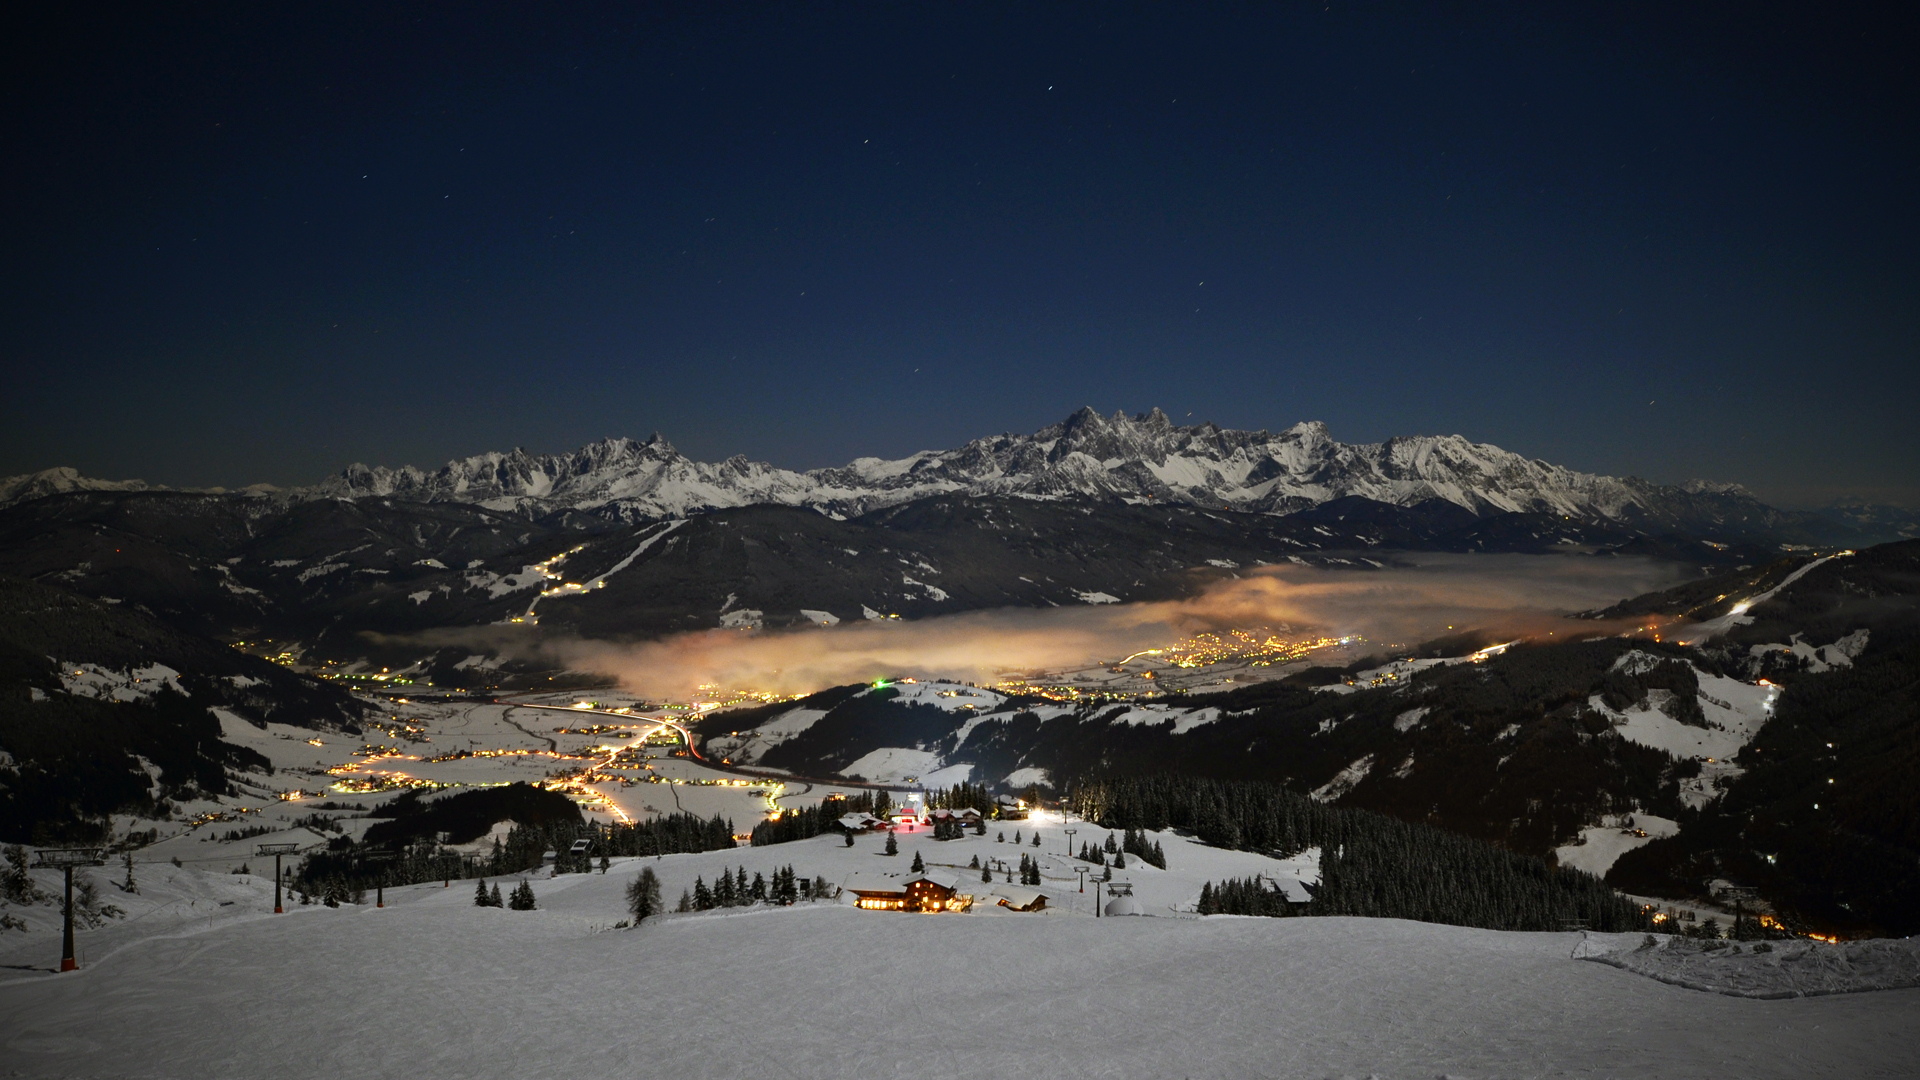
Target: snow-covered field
pixel 1762 969
pixel 204 982
pixel 1600 846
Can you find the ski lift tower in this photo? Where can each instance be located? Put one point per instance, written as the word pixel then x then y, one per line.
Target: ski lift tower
pixel 383 858
pixel 66 859
pixel 276 850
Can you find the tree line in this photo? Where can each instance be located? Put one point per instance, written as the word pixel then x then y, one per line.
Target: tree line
pixel 345 868
pixel 1370 864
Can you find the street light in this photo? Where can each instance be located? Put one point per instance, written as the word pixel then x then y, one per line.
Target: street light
pixel 276 850
pixel 1082 871
pixel 66 859
pixel 1070 833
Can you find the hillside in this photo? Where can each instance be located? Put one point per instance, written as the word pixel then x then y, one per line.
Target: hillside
pixel 1798 786
pixel 105 710
pixel 319 576
pixel 1825 818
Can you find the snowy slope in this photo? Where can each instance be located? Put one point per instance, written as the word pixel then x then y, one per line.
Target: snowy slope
pixel 1143 457
pixel 433 987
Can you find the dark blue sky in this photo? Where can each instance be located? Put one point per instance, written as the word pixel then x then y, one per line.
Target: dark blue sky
pixel 255 244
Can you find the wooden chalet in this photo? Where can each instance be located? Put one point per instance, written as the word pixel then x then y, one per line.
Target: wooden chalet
pixel 856 823
pixel 1020 898
pixel 933 890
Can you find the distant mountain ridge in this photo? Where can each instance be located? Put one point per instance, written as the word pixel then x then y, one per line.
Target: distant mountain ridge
pixel 59 481
pixel 65 480
pixel 1139 459
pixel 1142 458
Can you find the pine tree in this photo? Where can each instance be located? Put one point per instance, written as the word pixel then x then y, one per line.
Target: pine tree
pixel 494 899
pixel 126 860
pixel 1000 838
pixel 1036 838
pixel 1016 836
pixel 686 901
pixel 974 863
pixel 522 899
pixel 849 839
pixel 17 885
pixel 758 890
pixel 702 896
pixel 986 874
pixel 605 863
pixel 918 866
pixel 893 846
pixel 643 895
pixel 480 895
pixel 820 888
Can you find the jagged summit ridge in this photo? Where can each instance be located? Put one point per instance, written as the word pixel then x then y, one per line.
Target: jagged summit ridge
pixel 1144 457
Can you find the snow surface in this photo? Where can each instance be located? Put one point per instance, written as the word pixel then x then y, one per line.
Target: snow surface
pixel 1029 776
pixel 1344 781
pixel 1602 845
pixel 133 684
pixel 1825 658
pixel 950 696
pixel 1738 616
pixel 893 764
pixel 433 987
pixel 754 745
pixel 1735 712
pixel 1786 969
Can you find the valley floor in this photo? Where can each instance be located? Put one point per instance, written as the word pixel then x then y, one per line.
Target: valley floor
pixel 432 986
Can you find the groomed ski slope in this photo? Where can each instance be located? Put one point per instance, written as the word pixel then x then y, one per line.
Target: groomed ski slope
pixel 433 987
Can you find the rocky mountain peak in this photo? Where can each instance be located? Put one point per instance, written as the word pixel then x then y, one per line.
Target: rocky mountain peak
pixel 1145 457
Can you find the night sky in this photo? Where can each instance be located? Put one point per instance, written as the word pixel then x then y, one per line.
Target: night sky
pixel 256 243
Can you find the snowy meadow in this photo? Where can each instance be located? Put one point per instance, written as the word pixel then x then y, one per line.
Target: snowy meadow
pixel 202 980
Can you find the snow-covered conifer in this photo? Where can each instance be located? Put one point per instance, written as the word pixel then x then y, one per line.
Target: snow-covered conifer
pixel 643 895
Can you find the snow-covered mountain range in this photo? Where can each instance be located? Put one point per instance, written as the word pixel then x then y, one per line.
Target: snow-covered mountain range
pixel 59 481
pixel 1140 459
pixel 1144 457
